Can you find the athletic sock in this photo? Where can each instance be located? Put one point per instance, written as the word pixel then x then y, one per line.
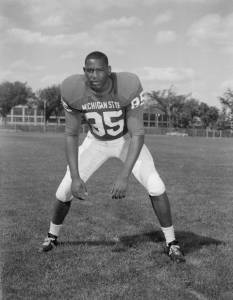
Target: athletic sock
pixel 169 234
pixel 55 229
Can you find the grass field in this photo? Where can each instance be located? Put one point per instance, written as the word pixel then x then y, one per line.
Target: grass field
pixel 198 173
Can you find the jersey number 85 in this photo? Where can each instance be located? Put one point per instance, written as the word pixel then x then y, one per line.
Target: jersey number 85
pixel 98 122
pixel 138 101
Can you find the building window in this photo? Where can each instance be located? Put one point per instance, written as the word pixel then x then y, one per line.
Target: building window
pixel 17 111
pixel 145 116
pixel 29 111
pixel 152 117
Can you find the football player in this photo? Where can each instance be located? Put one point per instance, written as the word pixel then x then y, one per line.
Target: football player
pixel 112 105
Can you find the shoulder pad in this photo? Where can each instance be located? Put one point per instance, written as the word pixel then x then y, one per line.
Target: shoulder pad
pixel 73 90
pixel 128 86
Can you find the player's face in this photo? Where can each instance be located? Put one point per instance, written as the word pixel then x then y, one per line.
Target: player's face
pixel 97 74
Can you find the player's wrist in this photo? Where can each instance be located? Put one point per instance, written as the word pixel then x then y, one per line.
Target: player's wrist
pixel 75 177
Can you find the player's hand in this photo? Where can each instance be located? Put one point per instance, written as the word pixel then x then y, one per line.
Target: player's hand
pixel 78 189
pixel 119 187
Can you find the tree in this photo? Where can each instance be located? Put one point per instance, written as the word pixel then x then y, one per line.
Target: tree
pixel 222 122
pixel 227 102
pixel 12 94
pixel 203 114
pixel 162 100
pixel 173 106
pixel 50 98
pixel 182 110
pixel 212 116
pixel 226 115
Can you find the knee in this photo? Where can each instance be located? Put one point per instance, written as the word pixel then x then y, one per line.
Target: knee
pixel 63 204
pixel 63 192
pixel 155 185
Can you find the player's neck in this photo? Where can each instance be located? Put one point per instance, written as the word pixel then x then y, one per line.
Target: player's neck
pixel 106 88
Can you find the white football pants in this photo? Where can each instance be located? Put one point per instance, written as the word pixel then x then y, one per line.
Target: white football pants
pixel 93 153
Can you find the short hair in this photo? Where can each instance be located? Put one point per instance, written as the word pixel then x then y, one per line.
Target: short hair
pixel 97 55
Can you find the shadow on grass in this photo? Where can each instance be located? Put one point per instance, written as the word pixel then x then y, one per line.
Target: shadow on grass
pixel 88 243
pixel 190 241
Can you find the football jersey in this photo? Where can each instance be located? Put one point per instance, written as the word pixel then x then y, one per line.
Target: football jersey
pixel 106 113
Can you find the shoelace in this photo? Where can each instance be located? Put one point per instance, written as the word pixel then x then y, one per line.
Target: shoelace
pixel 48 240
pixel 174 249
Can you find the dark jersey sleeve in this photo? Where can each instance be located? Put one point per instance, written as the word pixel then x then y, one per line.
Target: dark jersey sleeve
pixel 134 119
pixel 131 91
pixel 72 91
pixel 73 119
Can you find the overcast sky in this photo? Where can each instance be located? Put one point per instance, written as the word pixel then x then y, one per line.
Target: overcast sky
pixel 187 44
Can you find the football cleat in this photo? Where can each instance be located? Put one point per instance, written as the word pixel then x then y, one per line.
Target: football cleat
pixel 174 252
pixel 49 243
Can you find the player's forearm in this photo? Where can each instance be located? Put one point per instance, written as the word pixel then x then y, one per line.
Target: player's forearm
pixel 72 155
pixel 134 150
